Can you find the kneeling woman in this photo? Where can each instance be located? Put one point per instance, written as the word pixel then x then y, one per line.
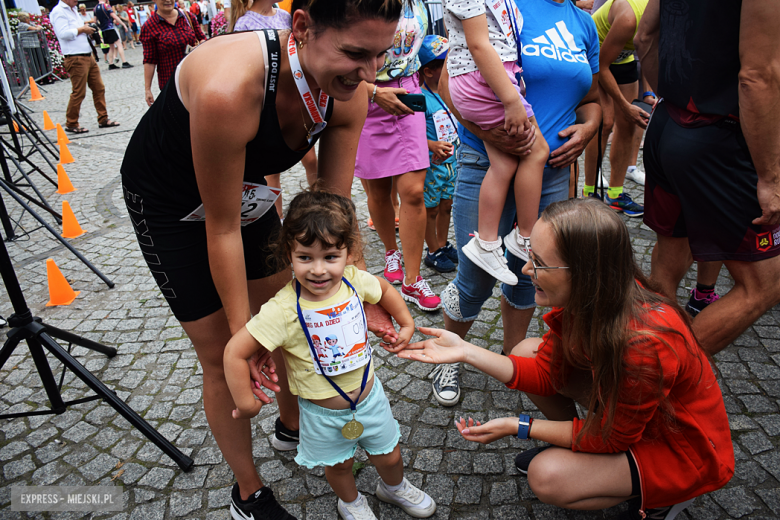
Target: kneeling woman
pixel 656 431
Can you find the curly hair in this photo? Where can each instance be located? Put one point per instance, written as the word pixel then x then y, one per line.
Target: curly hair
pixel 321 216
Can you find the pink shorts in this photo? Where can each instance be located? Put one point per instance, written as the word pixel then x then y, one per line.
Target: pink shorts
pixel 392 145
pixel 477 102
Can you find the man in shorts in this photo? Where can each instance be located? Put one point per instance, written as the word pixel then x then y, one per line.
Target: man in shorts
pixel 616 23
pixel 712 153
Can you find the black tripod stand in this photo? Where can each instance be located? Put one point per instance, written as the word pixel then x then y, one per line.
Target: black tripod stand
pixel 39 336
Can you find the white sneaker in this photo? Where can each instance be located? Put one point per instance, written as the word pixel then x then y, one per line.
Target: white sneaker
pixel 517 244
pixel 360 510
pixel 492 262
pixel 414 502
pixel 635 174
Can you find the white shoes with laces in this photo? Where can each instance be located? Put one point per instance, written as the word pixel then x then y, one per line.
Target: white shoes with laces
pixel 359 510
pixel 492 262
pixel 517 244
pixel 635 174
pixel 413 501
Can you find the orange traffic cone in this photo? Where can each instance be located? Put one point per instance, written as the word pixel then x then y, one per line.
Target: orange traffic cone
pixel 65 156
pixel 61 137
pixel 16 128
pixel 70 226
pixel 36 94
pixel 48 124
pixel 63 181
pixel 60 291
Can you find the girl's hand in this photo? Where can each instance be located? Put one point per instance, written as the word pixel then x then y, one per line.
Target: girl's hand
pixel 388 101
pixel 262 370
pixel 404 335
pixel 446 347
pixel 515 118
pixel 488 432
pixel 248 413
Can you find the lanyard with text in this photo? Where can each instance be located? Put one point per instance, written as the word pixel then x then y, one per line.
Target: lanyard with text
pixel 353 429
pixel 516 30
pixel 425 85
pixel 317 113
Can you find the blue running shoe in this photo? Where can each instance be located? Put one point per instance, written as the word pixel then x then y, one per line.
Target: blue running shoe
pixel 451 252
pixel 625 204
pixel 438 261
pixel 595 195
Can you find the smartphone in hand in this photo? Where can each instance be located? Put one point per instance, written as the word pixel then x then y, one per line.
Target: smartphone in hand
pixel 414 101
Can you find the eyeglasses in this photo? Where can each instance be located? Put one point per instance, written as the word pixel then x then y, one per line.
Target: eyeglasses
pixel 537 268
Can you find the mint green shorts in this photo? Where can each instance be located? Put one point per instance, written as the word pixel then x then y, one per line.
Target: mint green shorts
pixel 321 442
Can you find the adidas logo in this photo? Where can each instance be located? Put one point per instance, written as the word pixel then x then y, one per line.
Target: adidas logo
pixel 557 45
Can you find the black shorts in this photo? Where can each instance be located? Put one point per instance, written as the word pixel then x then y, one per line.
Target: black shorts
pixel 625 73
pixel 177 255
pixel 110 36
pixel 701 184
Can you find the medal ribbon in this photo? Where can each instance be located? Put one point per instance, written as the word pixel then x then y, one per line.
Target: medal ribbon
pixel 316 112
pixel 352 404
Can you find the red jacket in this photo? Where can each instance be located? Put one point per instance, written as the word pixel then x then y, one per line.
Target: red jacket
pixel 697 456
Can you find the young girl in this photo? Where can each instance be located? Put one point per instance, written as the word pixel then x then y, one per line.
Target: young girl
pixel 342 405
pixel 483 66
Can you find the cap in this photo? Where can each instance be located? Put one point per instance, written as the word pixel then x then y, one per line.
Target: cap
pixel 433 48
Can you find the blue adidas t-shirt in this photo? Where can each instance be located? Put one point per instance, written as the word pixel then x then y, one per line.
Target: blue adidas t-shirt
pixel 433 104
pixel 560 56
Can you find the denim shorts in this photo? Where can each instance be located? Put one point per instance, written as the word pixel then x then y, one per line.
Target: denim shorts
pixel 473 285
pixel 321 441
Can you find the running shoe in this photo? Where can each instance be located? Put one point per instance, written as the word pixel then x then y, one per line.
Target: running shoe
pixel 517 244
pixel 625 204
pixel 492 262
pixel 635 174
pixel 260 506
pixel 523 459
pixel 451 252
pixel 695 304
pixel 420 294
pixel 438 261
pixel 359 510
pixel 413 501
pixel 284 439
pixel 594 195
pixel 446 384
pixel 393 271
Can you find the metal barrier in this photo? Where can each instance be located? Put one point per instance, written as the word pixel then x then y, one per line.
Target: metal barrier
pixel 29 57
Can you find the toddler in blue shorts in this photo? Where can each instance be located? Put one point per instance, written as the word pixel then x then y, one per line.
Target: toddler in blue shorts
pixel 342 404
pixel 442 133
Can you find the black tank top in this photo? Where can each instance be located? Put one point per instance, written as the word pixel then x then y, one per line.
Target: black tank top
pixel 158 161
pixel 698 52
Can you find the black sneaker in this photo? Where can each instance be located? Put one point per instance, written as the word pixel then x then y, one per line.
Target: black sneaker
pixel 439 261
pixel 696 305
pixel 451 252
pixel 113 67
pixel 260 506
pixel 523 460
pixel 446 384
pixel 126 65
pixel 284 439
pixel 658 513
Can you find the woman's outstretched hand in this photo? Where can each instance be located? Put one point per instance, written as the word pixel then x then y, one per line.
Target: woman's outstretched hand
pixel 488 432
pixel 444 347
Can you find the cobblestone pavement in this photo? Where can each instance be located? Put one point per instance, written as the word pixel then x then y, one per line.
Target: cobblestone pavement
pixel 157 373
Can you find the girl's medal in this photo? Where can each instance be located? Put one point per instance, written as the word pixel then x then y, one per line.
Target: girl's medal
pixel 353 429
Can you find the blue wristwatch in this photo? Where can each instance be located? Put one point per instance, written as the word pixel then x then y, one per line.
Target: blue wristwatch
pixel 523 426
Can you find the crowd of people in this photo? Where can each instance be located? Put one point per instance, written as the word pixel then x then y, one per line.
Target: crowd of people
pixel 483 130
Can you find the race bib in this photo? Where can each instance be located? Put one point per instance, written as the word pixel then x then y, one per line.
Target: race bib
pixel 624 54
pixel 339 337
pixel 499 8
pixel 256 200
pixel 445 130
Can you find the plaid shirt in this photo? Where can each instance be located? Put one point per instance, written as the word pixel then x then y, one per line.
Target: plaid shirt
pixel 164 43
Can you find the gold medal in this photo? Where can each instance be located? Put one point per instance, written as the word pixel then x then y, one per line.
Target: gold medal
pixel 352 430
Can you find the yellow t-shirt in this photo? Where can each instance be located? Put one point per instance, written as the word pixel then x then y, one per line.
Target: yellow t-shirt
pixel 277 325
pixel 601 18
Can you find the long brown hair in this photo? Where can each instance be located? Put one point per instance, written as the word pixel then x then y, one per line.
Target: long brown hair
pixel 608 293
pixel 341 14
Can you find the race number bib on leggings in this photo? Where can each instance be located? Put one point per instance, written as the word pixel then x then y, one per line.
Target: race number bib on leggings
pixel 256 200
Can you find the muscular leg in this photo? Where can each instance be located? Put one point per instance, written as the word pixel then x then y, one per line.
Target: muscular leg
pixel 209 336
pixel 671 260
pixel 707 272
pixel 591 151
pixel 623 140
pixel 411 229
pixel 381 210
pixel 756 290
